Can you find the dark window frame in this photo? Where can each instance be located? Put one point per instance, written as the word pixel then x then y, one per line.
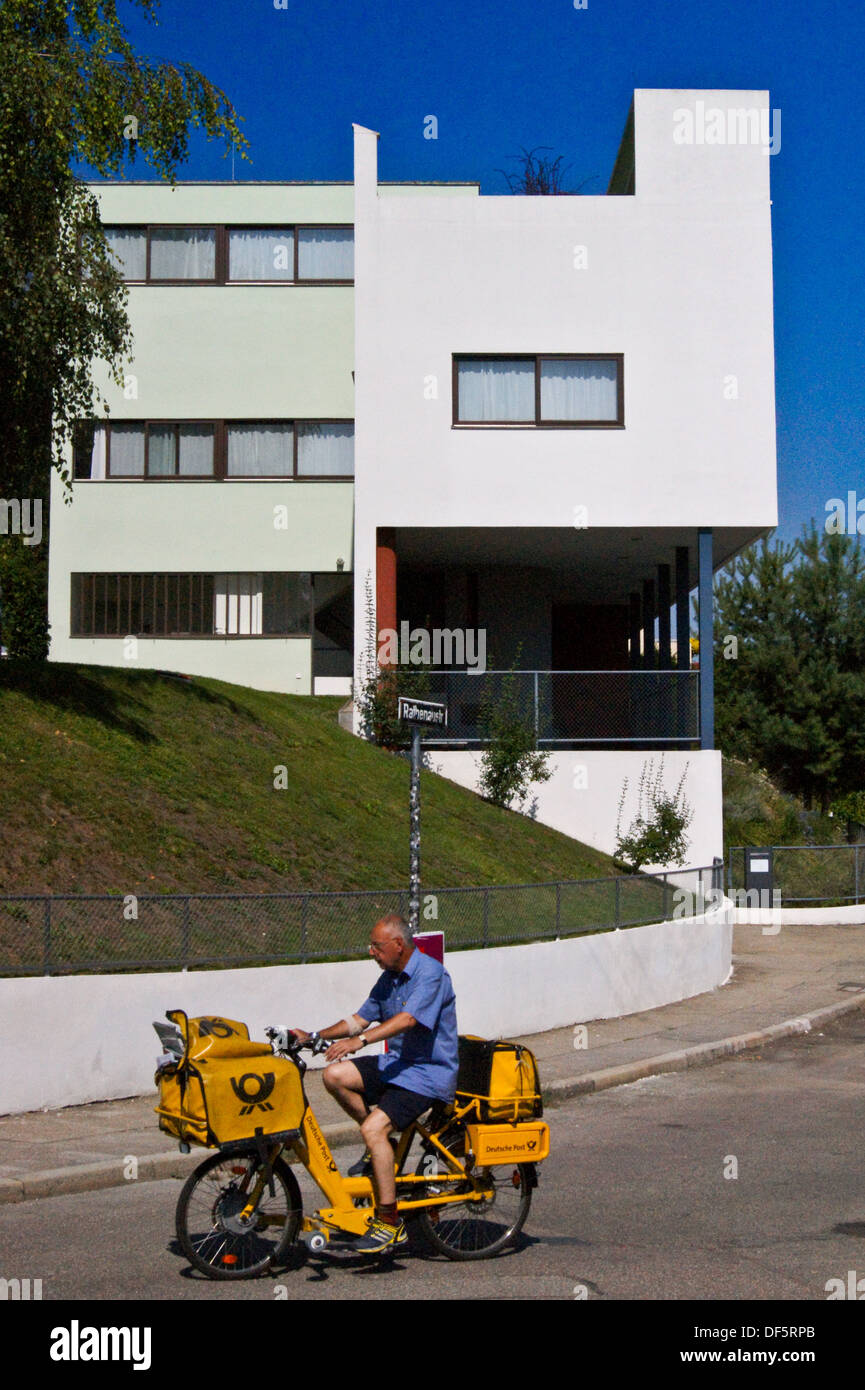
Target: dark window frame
pixel 537 358
pixel 91 589
pixel 213 279
pixel 220 454
pixel 146 476
pixel 221 265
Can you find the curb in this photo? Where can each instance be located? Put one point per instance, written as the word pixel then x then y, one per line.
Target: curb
pixel 90 1177
pixel 155 1167
pixel 701 1055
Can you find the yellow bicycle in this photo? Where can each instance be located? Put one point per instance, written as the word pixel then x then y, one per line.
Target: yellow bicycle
pixel 239 1215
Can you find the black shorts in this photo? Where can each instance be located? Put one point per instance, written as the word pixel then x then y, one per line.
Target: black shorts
pixel 400 1105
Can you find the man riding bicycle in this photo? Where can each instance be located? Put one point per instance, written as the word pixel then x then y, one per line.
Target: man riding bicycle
pixel 412 1005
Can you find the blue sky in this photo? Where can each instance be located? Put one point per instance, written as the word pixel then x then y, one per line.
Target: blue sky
pixel 521 73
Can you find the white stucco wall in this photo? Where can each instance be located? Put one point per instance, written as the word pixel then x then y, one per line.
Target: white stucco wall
pixel 280 664
pixel 68 1040
pixel 582 796
pixel 678 278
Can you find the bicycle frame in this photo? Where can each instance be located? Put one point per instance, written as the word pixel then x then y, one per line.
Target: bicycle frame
pixel 313 1152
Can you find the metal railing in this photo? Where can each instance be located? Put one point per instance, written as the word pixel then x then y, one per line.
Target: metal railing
pixel 803 874
pixel 101 933
pixel 576 707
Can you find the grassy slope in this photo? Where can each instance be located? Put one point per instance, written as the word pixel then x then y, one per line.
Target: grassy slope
pixel 757 813
pixel 121 781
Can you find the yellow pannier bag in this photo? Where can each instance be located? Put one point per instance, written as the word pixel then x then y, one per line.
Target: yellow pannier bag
pixel 227 1089
pixel 502 1076
pixel 521 1143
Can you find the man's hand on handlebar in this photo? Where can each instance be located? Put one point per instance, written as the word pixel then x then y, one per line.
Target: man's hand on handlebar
pixel 342 1048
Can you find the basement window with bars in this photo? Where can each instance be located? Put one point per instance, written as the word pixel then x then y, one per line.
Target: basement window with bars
pixel 192 605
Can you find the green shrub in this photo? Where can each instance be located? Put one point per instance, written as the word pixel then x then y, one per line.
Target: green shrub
pixel 657 833
pixel 24 600
pixel 510 762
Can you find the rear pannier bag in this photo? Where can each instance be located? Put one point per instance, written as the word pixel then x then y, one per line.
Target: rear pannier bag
pixel 504 1075
pixel 227 1089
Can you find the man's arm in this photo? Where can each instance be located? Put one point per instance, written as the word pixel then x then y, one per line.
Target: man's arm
pixel 346 1028
pixel 376 1032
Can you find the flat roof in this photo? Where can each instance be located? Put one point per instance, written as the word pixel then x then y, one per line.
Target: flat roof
pixel 281 183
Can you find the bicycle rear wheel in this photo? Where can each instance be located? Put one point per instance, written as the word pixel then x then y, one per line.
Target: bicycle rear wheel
pixel 475 1230
pixel 208 1228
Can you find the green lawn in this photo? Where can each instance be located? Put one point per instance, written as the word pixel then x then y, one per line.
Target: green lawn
pixel 133 782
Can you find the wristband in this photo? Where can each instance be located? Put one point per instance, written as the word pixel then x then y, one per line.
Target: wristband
pixel 363 1039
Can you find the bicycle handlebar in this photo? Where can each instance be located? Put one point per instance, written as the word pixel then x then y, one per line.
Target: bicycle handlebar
pixel 284 1039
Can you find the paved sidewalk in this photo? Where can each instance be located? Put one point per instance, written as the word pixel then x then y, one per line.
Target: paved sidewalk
pixel 776 979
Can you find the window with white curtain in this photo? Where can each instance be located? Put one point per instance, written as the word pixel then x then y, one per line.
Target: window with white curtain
pixel 126 451
pixel 325 449
pixel 214 449
pixel 183 253
pixel 325 253
pixel 496 389
pixel 89 450
pixel 128 246
pixel 581 390
pixel 237 605
pixel 261 254
pixel 180 451
pixel 260 451
pixel 574 390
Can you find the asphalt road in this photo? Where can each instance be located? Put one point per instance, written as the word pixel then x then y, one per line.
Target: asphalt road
pixel 637 1201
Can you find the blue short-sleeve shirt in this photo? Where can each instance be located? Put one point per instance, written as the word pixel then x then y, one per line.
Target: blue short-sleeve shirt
pixel 424 1058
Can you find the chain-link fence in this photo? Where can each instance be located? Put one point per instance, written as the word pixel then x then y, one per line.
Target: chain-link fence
pixel 575 707
pixel 79 935
pixel 833 875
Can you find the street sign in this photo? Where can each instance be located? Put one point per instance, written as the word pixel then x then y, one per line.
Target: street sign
pixel 425 714
pixel 431 943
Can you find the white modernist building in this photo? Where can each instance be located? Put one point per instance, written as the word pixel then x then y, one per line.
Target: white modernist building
pixel 544 420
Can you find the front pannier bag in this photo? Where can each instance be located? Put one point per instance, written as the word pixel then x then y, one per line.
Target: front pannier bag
pixel 503 1076
pixel 227 1089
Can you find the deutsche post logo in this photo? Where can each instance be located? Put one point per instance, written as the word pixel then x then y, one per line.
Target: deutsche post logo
pixel 253 1090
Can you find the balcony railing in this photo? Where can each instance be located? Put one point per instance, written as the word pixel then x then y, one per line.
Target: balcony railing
pixel 576 707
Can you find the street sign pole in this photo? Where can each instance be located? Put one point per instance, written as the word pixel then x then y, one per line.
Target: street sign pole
pixel 414 833
pixel 419 714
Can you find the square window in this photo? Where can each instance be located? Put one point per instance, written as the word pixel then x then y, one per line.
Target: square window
pixel 183 253
pixel 260 451
pixel 586 389
pixel 496 390
pixel 325 253
pixel 260 254
pixel 128 246
pixel 326 449
pixel 126 451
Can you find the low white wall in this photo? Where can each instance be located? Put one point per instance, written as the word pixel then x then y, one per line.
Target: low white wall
pixel 582 796
pixel 68 1040
pixel 799 916
pixel 281 664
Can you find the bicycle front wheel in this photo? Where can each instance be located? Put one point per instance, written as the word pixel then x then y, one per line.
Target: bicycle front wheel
pixel 475 1230
pixel 209 1229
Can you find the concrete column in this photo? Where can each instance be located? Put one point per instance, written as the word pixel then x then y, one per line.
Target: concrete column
pixel 385 580
pixel 649 624
pixel 665 657
pixel 707 642
pixel 683 617
pixel 634 614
